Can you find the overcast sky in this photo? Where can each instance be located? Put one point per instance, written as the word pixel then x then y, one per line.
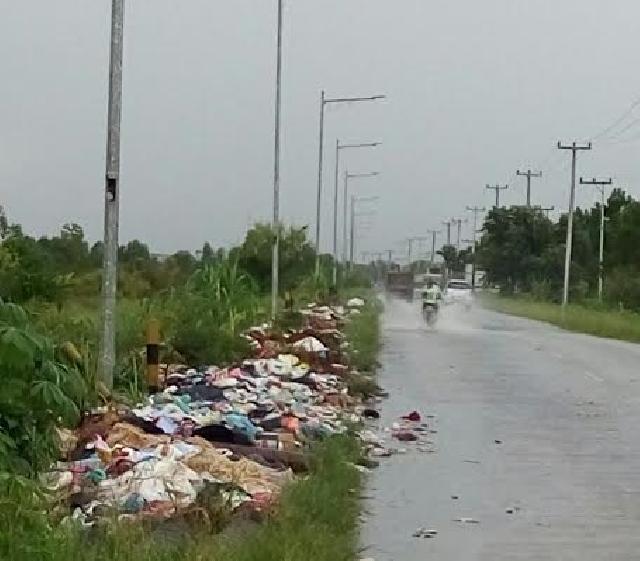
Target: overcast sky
pixel 475 90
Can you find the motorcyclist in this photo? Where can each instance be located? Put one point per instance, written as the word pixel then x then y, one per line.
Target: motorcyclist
pixel 432 295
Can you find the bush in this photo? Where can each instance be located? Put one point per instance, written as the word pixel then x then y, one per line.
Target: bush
pixel 211 311
pixel 38 392
pixel 622 287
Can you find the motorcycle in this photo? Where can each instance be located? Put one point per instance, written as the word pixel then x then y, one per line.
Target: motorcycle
pixel 430 313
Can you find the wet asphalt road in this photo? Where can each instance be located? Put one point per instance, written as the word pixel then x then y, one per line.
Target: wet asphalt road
pixel 567 410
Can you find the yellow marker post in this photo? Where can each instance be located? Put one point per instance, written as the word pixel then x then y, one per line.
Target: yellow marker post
pixel 153 344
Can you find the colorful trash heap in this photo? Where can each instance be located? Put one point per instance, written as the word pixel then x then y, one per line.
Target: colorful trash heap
pixel 241 431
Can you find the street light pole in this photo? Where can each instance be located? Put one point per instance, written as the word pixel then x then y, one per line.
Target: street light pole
pixel 112 196
pixel 276 173
pixel 600 186
pixel 335 200
pixel 319 189
pixel 323 102
pixel 572 197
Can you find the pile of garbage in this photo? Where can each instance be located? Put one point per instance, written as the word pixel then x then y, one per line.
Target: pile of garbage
pixel 241 430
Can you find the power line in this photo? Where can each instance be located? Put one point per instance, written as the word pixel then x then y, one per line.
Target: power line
pixel 616 122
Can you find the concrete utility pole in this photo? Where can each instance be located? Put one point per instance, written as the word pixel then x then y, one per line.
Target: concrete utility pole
pixel 546 210
pixel 355 200
pixel 497 188
pixel 572 197
pixel 410 242
pixel 335 201
pixel 112 196
pixel 448 223
pixel 600 186
pixel 529 174
pixel 459 222
pixel 476 210
pixel 345 221
pixel 434 235
pixel 276 173
pixel 323 102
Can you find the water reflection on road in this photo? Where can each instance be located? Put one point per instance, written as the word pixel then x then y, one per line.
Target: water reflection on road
pixel 563 481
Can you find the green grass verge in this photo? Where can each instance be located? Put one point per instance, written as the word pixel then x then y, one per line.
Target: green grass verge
pixel 316 520
pixel 363 332
pixel 603 323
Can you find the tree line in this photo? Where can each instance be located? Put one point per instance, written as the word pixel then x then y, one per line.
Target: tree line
pixel 54 268
pixel 522 250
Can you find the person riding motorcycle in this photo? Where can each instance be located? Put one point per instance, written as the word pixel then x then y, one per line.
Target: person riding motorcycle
pixel 432 295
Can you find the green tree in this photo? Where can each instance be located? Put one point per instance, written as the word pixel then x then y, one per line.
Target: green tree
pixel 297 256
pixel 514 249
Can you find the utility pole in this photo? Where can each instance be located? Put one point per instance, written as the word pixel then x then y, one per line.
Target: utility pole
pixel 572 197
pixel 600 186
pixel 340 147
pixel 410 242
pixel 323 102
pixel 345 222
pixel 476 210
pixel 112 196
pixel 434 235
pixel 459 222
pixel 529 174
pixel 276 173
pixel 354 201
pixel 448 223
pixel 546 210
pixel 497 188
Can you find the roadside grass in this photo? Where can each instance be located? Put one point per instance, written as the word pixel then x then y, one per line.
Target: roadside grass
pixel 612 324
pixel 363 333
pixel 316 520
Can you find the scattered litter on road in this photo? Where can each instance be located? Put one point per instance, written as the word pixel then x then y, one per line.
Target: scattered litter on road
pixel 498 441
pixel 455 497
pixel 466 520
pixel 414 416
pixel 471 461
pixel 424 533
